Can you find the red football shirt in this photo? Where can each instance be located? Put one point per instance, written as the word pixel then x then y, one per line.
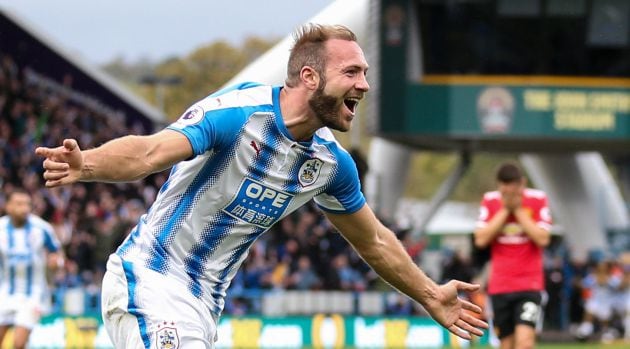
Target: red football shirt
pixel 517 262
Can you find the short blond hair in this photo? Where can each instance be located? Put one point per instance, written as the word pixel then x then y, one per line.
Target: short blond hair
pixel 308 48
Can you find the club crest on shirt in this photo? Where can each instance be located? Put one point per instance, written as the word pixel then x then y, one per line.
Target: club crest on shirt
pixel 167 338
pixel 309 171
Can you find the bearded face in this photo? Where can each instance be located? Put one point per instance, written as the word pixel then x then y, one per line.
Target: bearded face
pixel 18 208
pixel 326 108
pixel 334 112
pixel 341 86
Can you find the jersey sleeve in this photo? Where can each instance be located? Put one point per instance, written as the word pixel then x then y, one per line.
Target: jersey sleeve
pixel 484 213
pixel 51 243
pixel 542 215
pixel 207 125
pixel 215 120
pixel 344 193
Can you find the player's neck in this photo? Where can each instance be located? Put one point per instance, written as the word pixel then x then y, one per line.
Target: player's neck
pixel 297 115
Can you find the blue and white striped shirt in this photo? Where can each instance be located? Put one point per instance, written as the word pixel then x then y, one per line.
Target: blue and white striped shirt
pixel 23 257
pixel 246 174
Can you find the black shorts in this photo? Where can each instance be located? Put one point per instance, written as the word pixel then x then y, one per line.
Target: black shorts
pixel 511 309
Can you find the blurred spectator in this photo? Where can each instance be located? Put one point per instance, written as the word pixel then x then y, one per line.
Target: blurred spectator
pixel 397 304
pixel 623 297
pixel 108 240
pixel 603 285
pixel 343 277
pixel 304 277
pixel 456 266
pixel 576 272
pixel 413 247
pixel 255 270
pixel 554 282
pixel 279 270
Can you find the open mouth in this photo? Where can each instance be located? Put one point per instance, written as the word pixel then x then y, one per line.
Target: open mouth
pixel 351 103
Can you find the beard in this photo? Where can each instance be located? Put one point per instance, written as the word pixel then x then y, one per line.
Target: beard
pixel 19 220
pixel 326 108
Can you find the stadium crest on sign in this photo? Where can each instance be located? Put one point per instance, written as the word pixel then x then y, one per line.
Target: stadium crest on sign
pixel 495 109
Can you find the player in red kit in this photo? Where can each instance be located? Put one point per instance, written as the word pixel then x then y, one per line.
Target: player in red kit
pixel 514 222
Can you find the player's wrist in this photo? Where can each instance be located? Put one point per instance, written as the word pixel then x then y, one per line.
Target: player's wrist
pixel 431 294
pixel 86 170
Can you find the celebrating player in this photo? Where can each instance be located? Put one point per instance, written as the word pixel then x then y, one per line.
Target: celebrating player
pixel 243 158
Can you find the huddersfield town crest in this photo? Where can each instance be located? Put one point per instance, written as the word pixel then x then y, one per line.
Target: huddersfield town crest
pixel 167 338
pixel 310 171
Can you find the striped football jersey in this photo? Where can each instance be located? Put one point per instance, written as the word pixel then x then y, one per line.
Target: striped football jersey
pixel 245 175
pixel 23 257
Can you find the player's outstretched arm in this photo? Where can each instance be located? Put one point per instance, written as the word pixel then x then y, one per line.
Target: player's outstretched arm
pixel 123 159
pixel 380 248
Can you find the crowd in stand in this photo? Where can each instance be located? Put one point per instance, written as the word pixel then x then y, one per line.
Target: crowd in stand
pixel 603 294
pixel 85 216
pixel 302 252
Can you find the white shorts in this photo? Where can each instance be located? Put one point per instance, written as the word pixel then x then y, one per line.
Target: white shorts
pixel 19 310
pixel 161 314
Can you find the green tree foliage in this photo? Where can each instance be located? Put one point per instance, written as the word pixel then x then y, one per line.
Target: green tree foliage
pixel 200 73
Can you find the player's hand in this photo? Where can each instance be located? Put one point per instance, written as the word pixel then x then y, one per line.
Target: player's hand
pixel 452 312
pixel 63 164
pixel 55 261
pixel 511 201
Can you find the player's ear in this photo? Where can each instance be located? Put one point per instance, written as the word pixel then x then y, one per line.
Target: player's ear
pixel 310 77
